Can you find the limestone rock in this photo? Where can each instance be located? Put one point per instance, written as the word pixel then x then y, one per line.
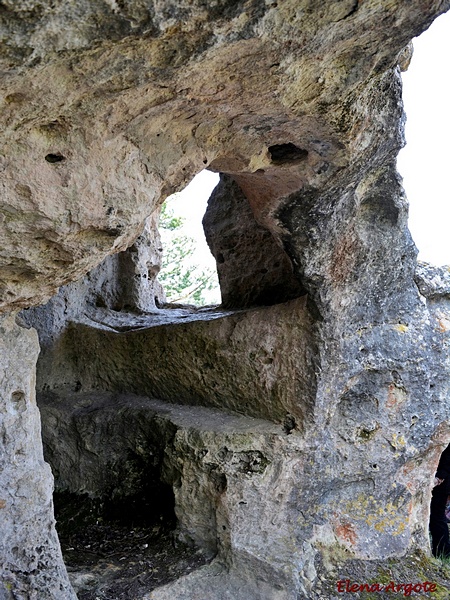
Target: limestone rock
pixel 106 108
pixel 232 478
pixel 259 362
pixel 31 564
pixel 127 280
pixel 252 266
pixel 433 282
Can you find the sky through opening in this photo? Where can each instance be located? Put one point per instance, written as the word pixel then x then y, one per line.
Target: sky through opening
pixel 424 162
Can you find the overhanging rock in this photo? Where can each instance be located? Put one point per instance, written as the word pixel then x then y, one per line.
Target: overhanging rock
pixel 108 107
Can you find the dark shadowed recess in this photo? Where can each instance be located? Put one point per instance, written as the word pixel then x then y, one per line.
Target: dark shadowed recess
pixel 121 548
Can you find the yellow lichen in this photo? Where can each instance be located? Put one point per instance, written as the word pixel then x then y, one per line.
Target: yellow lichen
pixel 381 517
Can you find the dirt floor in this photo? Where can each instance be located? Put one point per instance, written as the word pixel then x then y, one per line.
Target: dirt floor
pixel 119 559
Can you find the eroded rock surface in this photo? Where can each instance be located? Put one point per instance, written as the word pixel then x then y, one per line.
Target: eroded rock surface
pixel 31 563
pixel 232 476
pixel 252 266
pixel 257 362
pixel 107 107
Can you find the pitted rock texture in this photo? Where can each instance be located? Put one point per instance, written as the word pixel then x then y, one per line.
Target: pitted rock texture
pixel 252 266
pixel 433 282
pixel 236 481
pixel 107 108
pixel 31 564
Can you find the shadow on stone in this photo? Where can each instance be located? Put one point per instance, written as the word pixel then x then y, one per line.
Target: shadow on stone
pixel 122 548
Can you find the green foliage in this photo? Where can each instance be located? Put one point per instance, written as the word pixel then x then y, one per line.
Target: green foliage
pixel 182 279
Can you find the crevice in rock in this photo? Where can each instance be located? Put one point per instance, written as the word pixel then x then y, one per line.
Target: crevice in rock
pixel 353 9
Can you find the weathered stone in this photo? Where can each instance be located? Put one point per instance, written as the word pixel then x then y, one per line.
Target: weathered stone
pixel 127 280
pixel 253 268
pixel 107 107
pixel 31 564
pixel 223 470
pixel 122 104
pixel 433 282
pixel 231 361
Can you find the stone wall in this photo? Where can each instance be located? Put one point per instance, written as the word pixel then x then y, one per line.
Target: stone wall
pixel 108 107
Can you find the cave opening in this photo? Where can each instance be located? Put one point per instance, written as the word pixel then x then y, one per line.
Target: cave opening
pixel 440 508
pixel 188 272
pixel 228 257
pixel 114 495
pixel 122 548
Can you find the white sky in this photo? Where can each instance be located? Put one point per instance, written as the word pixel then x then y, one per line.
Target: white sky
pixel 191 205
pixel 424 162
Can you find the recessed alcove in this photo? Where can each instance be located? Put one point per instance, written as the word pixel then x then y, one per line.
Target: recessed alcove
pixel 282 154
pixel 114 506
pixel 123 376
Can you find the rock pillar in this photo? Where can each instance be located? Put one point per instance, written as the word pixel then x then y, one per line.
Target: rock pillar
pixel 31 564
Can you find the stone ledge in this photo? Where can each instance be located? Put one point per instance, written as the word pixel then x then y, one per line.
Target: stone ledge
pixel 232 477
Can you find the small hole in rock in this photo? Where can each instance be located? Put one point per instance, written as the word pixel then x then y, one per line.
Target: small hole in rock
pixel 18 396
pixel 54 158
